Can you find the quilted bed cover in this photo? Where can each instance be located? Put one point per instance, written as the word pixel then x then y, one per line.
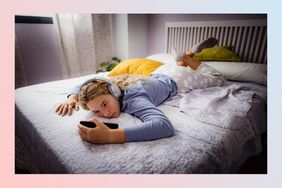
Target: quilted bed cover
pixel 196 147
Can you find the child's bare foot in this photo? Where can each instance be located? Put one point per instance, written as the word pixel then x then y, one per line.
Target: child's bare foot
pixel 181 63
pixel 187 60
pixel 189 53
pixel 177 54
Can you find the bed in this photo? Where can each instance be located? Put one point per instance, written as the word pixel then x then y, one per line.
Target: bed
pixel 200 144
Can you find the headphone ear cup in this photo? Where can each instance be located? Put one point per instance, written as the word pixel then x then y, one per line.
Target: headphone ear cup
pixel 114 89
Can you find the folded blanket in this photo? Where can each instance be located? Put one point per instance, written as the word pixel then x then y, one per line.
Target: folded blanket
pixel 225 107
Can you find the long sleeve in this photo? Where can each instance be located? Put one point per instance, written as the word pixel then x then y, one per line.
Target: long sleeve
pixel 75 90
pixel 155 124
pixel 140 100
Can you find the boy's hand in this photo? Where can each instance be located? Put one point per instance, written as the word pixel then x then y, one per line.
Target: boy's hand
pixel 101 134
pixel 67 106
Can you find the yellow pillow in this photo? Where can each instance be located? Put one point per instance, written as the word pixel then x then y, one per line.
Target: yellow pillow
pixel 135 66
pixel 216 54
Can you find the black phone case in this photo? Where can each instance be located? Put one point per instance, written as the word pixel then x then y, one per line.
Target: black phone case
pixel 90 124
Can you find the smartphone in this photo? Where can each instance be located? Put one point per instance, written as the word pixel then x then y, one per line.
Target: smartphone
pixel 90 124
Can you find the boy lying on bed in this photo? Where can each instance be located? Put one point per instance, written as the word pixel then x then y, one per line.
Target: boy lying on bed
pixel 138 96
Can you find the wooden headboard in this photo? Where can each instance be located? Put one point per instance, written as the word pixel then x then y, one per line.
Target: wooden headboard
pixel 247 37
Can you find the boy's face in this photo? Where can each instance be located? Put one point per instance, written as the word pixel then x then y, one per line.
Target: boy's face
pixel 105 106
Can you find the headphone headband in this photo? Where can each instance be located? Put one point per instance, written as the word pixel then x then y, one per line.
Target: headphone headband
pixel 113 87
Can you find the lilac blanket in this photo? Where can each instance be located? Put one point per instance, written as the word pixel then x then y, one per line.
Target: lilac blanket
pixel 225 107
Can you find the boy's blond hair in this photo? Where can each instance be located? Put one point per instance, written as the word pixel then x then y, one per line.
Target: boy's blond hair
pixel 100 87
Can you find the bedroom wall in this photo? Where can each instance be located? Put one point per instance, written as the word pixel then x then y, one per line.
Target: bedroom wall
pixel 130 35
pixel 39 50
pixel 137 35
pixel 156 25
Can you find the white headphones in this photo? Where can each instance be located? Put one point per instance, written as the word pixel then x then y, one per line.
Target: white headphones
pixel 113 87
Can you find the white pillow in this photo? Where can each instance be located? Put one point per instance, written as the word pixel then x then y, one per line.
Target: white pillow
pixel 180 75
pixel 186 79
pixel 241 71
pixel 163 57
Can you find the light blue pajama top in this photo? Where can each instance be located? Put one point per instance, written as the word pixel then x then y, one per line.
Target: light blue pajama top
pixel 141 100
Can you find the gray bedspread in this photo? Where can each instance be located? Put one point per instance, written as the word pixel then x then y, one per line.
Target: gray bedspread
pixel 196 147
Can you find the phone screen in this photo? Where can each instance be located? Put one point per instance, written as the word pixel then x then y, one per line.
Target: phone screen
pixel 90 124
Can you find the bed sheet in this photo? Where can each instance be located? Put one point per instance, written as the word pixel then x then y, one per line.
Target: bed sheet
pixel 196 147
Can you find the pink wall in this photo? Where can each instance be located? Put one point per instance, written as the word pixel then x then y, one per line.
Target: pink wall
pixel 156 25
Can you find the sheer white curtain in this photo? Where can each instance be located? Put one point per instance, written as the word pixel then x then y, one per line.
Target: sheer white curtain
pixel 85 40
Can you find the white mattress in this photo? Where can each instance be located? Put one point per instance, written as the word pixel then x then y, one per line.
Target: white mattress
pixel 196 147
